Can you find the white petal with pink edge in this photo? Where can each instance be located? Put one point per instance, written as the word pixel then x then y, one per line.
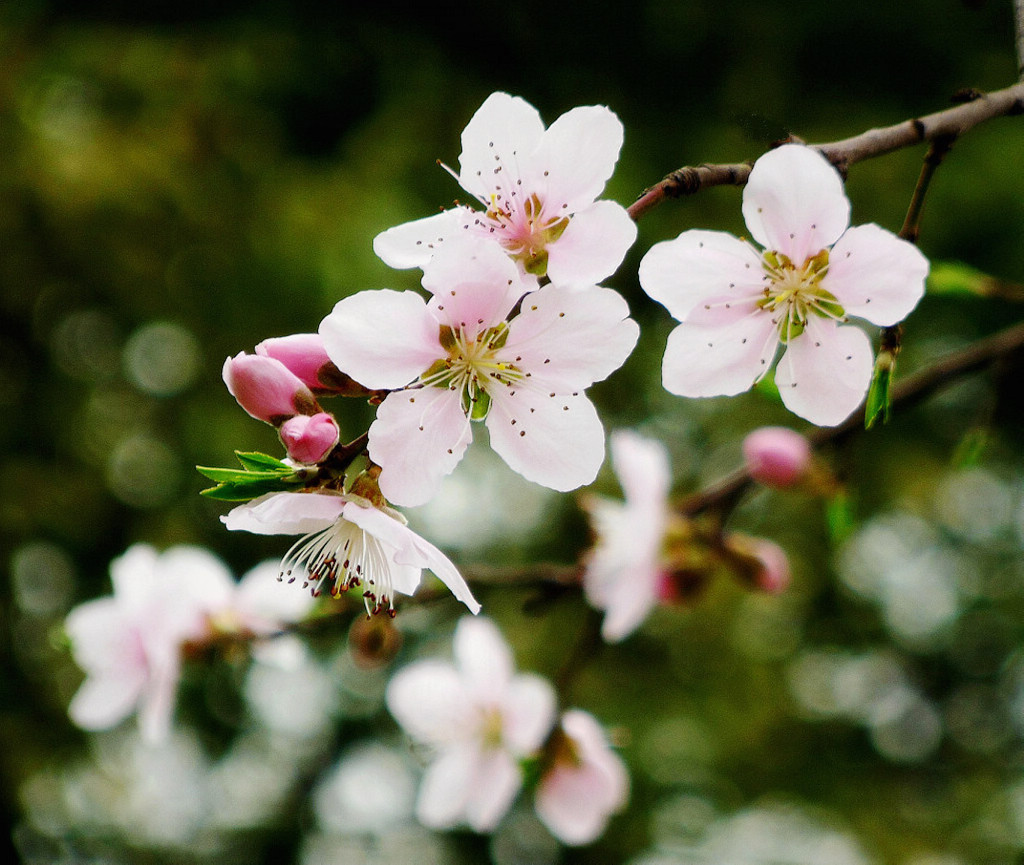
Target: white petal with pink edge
pixel 418 438
pixel 285 514
pixel 825 372
pixel 566 339
pixel 382 339
pixel 411 244
pixel 577 155
pixel 794 202
pixel 429 700
pixel 720 352
pixel 592 246
pixel 552 439
pixel 875 275
pixel 503 130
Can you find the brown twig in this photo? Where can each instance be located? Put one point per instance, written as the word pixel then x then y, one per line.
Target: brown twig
pixel 723 494
pixel 949 123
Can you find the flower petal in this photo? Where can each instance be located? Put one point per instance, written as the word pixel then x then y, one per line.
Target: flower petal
pixel 382 339
pixel 428 699
pixel 698 265
pixel 794 202
pixel 285 514
pixel 566 339
pixel 642 466
pixel 482 657
pixel 592 246
pixel 447 786
pixel 577 155
pixel 265 603
pixel 412 244
pixel 474 283
pixel 103 701
pixel 553 440
pixel 419 436
pixel 411 551
pixel 825 372
pixel 876 275
pixel 720 352
pixel 528 711
pixel 501 132
pixel 498 779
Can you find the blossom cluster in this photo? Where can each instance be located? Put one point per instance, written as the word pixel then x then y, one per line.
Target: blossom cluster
pixel 484 722
pixel 511 329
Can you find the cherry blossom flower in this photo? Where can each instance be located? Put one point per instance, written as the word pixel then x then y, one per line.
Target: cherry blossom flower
pixel 130 644
pixel 776 456
pixel 538 187
pixel 737 305
pixel 456 358
pixel 585 784
pixel 348 542
pixel 625 570
pixel 481 719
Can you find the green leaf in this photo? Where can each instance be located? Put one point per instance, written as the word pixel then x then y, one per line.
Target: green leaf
pixel 226 476
pixel 954 277
pixel 247 490
pixel 255 461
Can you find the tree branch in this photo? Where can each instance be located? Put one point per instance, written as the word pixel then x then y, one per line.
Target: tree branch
pixel 725 493
pixel 949 124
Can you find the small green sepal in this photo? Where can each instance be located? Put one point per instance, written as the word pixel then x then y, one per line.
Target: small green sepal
pixel 879 394
pixel 260 474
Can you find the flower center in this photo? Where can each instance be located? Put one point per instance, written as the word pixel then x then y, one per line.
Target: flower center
pixel 794 293
pixel 341 557
pixel 491 727
pixel 473 367
pixel 524 228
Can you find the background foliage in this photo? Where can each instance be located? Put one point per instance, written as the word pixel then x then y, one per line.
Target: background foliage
pixel 180 180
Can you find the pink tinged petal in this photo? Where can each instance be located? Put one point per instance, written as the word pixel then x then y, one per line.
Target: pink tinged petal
pixel 285 514
pixel 574 802
pixel 502 132
pixel 103 701
pixel 266 388
pixel 410 553
pixel 156 707
pixel 775 574
pixel 551 439
pixel 698 265
pixel 134 577
pixel 876 275
pixel 497 781
pixel 428 700
pixel 446 787
pixel 309 439
pixel 474 283
pixel 642 466
pixel 794 202
pixel 566 339
pixel 592 246
pixel 628 599
pixel 825 372
pixel 577 155
pixel 302 353
pixel 412 244
pixel 418 438
pixel 528 711
pixel 719 353
pixel 483 658
pixel 383 339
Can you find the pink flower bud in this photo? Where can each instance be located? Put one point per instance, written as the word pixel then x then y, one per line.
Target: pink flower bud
pixel 774 575
pixel 776 456
pixel 309 439
pixel 302 353
pixel 266 389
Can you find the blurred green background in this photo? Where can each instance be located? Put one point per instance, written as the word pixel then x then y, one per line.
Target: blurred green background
pixel 181 180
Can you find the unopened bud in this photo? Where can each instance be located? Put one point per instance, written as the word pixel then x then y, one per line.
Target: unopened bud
pixel 776 456
pixel 302 353
pixel 309 439
pixel 266 389
pixel 758 562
